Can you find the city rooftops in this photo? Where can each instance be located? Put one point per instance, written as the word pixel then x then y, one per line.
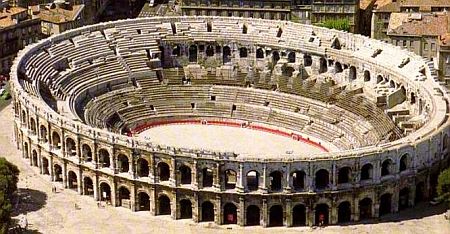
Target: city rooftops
pixel 11 16
pixel 56 12
pixel 418 24
pixel 395 5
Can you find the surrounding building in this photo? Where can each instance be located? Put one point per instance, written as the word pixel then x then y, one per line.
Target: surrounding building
pixel 58 16
pixel 444 57
pixel 17 30
pixel 323 10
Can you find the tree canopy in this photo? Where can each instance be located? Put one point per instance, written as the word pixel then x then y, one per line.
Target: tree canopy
pixel 338 24
pixel 9 176
pixel 443 187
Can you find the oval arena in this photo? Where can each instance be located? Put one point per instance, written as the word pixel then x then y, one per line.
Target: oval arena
pixel 378 114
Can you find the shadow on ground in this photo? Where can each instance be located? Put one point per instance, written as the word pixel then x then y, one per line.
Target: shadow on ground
pixel 29 200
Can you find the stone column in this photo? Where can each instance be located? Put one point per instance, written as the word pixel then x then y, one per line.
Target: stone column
pixel 315 64
pixel 287 185
pixel 218 210
pixel 153 201
pixel 195 208
pixel 333 213
pixel 264 212
pixel 394 200
pixel 288 212
pixel 241 215
pixel 133 198
pixel 113 194
pixel 64 173
pixel 263 185
pixel 96 188
pixel 79 182
pixel 240 180
pixel 355 212
pixel 173 176
pixel 151 171
pixel 51 170
pixel 216 177
pixel 334 177
pixel 194 175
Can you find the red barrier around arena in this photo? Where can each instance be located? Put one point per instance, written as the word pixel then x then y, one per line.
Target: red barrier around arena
pixel 253 126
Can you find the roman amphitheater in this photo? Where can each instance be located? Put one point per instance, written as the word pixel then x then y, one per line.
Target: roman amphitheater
pixel 233 120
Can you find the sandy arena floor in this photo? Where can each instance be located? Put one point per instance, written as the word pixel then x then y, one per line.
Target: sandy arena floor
pixel 227 139
pixel 55 213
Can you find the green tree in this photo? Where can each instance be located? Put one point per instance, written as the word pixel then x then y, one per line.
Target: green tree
pixel 443 187
pixel 338 24
pixel 9 176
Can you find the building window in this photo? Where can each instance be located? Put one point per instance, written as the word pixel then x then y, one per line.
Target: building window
pixel 433 47
pixel 404 43
pixel 425 46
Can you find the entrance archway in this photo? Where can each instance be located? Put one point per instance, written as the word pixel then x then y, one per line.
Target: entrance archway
pixel 163 171
pixel 276 216
pixel 163 205
pixel 385 204
pixel 35 158
pixel 88 186
pixel 58 173
pixel 229 214
pixel 72 179
pixel 420 191
pixel 299 215
pixel 365 208
pixel 124 197
pixel 207 212
pixel 193 53
pixel 144 201
pixel 253 215
pixel 105 192
pixel 45 165
pixel 403 199
pixel 321 214
pixel 344 212
pixel 185 209
pixel 226 54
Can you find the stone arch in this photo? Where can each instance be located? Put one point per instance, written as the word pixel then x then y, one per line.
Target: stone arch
pixel 105 192
pixel 275 57
pixel 338 67
pixel 288 71
pixel 412 98
pixel 365 208
pixel 193 53
pixel 56 140
pixel 299 215
pixel 226 54
pixel 385 204
pixel 88 186
pixel 103 158
pixel 323 66
pixel 344 175
pixel 259 53
pixel 24 117
pixel 291 57
pixel 379 79
pixel 367 171
pixel 403 198
pixel 208 177
pixel 163 171
pixel 252 180
pixel 185 174
pixel 420 192
pixel 25 149
pixel 276 180
pixel 386 167
pixel 72 180
pixel 143 201
pixel 123 163
pixel 229 213
pixel 336 44
pixel 163 205
pixel 298 180
pixel 321 214
pixel 243 52
pixel 307 60
pixel 207 212
pixel 253 216
pixel 34 157
pixel 45 165
pixel 352 73
pixel 276 216
pixel 209 51
pixel 176 51
pixel 230 179
pixel 124 196
pixel 71 147
pixel 322 179
pixel 344 212
pixel 86 153
pixel 244 29
pixel 404 162
pixel 33 125
pixel 366 76
pixel 58 173
pixel 142 168
pixel 185 209
pixel 392 84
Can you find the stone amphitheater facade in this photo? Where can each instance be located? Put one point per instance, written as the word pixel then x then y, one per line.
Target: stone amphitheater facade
pixel 77 95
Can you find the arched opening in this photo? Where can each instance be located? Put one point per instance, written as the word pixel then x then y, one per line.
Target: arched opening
pixel 322 179
pixel 185 209
pixel 307 60
pixel 352 73
pixel 403 162
pixel 209 51
pixel 367 172
pixel 124 197
pixel 34 158
pixel 163 205
pixel 71 147
pixel 207 212
pixel 58 173
pixel 323 65
pixel 86 153
pixel 276 216
pixel 142 168
pixel 45 164
pixel 243 53
pixel 420 191
pixel 88 186
pixel 392 84
pixel 252 180
pixel 299 215
pixel 229 214
pixel 193 53
pixel 25 150
pixel 344 212
pixel 56 140
pixel 176 51
pixel 366 76
pixel 276 178
pixel 275 57
pixel 321 215
pixel 280 32
pixel 24 117
pixel 226 54
pixel 208 178
pixel 253 215
pixel 105 192
pixel 344 175
pixel 386 167
pixel 72 180
pixel 403 199
pixel 259 53
pixel 163 171
pixel 445 142
pixel 244 29
pixel 185 174
pixel 413 98
pixel 385 204
pixel 336 44
pixel 123 164
pixel 338 67
pixel 291 57
pixel 33 126
pixel 298 180
pixel 365 208
pixel 288 71
pixel 379 79
pixel 144 201
pixel 230 179
pixel 104 160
